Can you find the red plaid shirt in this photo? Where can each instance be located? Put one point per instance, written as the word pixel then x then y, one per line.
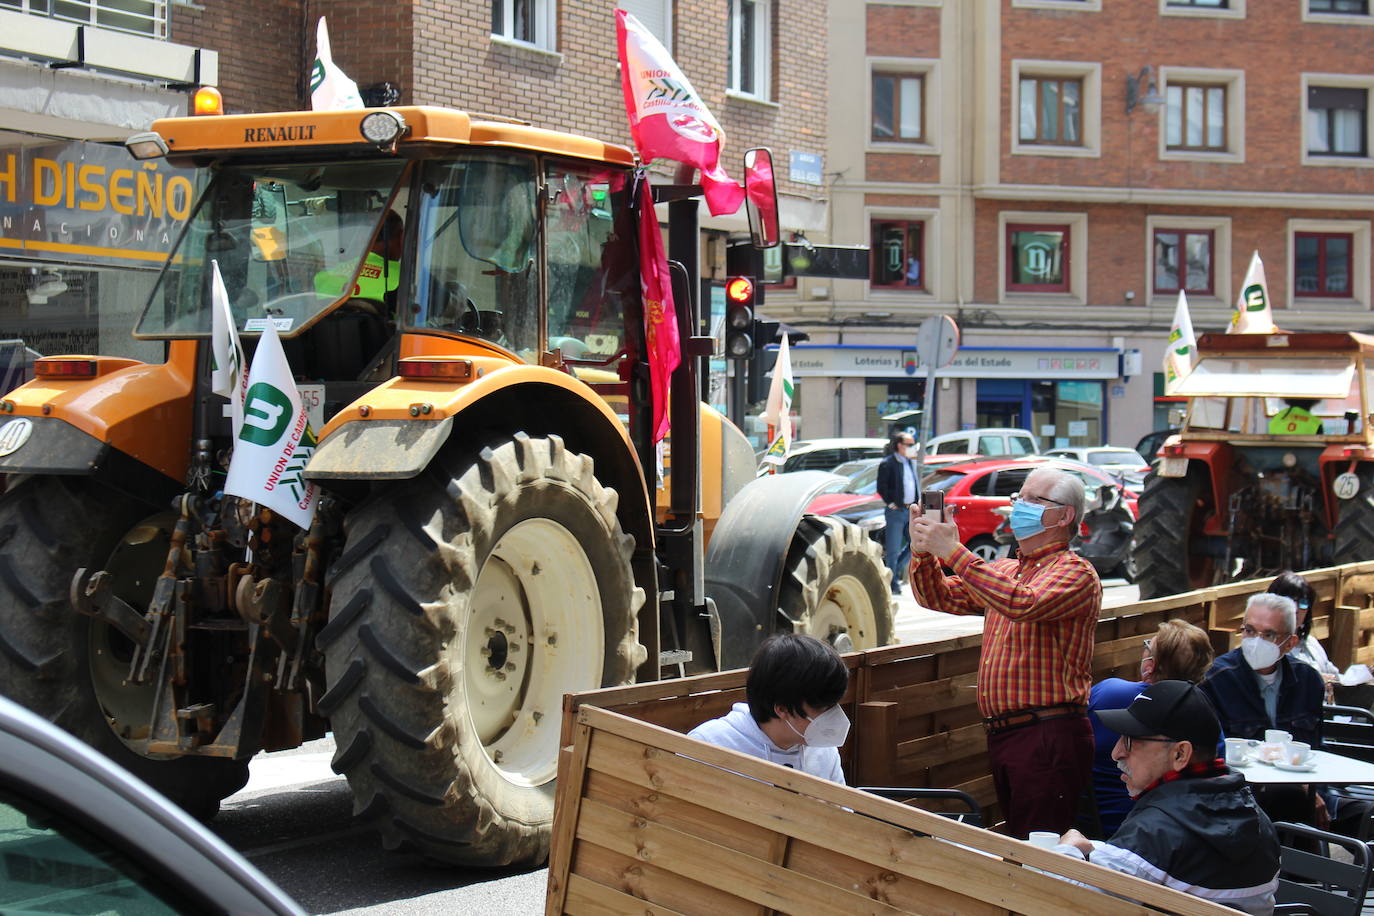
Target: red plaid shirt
pixel 1041 615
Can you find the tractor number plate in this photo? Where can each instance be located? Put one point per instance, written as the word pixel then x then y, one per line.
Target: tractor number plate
pixel 313 398
pixel 1346 485
pixel 1173 467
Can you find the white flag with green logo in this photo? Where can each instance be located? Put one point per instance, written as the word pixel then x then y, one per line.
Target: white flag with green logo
pixel 1182 347
pixel 276 441
pixel 330 89
pixel 1252 314
pixel 226 375
pixel 777 412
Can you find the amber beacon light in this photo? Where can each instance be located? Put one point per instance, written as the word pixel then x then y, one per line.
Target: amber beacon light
pixel 207 101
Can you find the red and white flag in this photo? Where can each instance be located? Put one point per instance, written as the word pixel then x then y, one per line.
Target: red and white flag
pixel 667 117
pixel 660 318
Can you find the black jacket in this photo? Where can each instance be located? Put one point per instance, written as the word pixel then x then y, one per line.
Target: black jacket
pixel 890 479
pixel 1230 685
pixel 1206 837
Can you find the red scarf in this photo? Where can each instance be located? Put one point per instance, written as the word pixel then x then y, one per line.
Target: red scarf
pixel 1207 770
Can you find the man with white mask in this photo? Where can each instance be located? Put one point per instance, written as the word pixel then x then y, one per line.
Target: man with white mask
pixel 1258 687
pixel 792 716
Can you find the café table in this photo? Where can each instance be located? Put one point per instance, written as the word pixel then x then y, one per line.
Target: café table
pixel 1328 769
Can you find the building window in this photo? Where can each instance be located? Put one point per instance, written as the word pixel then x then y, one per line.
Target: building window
pixel 898 255
pixel 1321 264
pixel 1051 110
pixel 750 47
pixel 1201 4
pixel 526 21
pixel 1336 121
pixel 1037 258
pixel 1344 7
pixel 141 17
pixel 1196 117
pixel 654 15
pixel 898 107
pixel 1183 260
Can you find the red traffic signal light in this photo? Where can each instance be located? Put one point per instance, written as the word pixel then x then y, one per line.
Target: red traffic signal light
pixel 739 289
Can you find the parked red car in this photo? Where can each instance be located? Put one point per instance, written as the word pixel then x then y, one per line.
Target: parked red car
pixel 976 488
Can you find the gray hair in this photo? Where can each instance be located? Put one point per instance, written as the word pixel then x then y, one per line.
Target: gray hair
pixel 1065 489
pixel 1285 606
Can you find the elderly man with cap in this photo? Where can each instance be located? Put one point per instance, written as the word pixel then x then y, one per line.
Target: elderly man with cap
pixel 1195 826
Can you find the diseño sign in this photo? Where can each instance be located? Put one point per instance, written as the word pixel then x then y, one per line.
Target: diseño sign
pixel 89 202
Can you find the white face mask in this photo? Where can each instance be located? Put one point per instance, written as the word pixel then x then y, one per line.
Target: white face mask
pixel 829 729
pixel 1259 652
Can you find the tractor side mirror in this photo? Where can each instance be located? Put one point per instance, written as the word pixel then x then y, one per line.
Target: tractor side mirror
pixel 761 198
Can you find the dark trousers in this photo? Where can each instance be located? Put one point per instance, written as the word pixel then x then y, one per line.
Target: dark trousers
pixel 1040 770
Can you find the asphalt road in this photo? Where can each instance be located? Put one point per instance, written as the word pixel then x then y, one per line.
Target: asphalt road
pixel 294 821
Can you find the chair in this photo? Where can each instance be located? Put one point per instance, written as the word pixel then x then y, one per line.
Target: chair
pixel 1352 739
pixel 1324 884
pixel 973 816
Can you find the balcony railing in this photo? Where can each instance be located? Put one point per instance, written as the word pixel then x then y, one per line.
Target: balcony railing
pixel 138 17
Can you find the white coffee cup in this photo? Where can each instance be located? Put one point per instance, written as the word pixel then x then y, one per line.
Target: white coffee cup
pixel 1045 839
pixel 1276 736
pixel 1297 753
pixel 1237 749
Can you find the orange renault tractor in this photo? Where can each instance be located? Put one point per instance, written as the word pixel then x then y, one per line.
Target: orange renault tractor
pixel 1273 468
pixel 460 301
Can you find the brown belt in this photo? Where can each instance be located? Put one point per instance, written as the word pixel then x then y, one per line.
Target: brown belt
pixel 1024 717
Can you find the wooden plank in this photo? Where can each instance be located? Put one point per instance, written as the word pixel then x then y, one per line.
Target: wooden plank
pixel 701 860
pixel 1344 635
pixel 943 747
pixel 812 812
pixel 875 727
pixel 572 771
pixel 587 898
pixel 880 883
pixel 680 814
pixel 646 882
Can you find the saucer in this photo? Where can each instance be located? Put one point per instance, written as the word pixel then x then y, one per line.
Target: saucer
pixel 1296 767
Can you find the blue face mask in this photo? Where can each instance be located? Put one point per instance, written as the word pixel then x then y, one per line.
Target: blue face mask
pixel 1026 519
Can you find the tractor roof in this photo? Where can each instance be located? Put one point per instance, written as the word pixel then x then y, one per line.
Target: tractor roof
pixel 1348 342
pixel 313 133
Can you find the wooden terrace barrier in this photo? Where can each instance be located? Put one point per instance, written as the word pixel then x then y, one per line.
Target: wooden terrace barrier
pixel 914 713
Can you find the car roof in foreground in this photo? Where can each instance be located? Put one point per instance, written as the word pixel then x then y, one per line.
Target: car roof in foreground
pixel 42 763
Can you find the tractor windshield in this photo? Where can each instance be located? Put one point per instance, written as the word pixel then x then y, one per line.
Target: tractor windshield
pixel 290 241
pixel 1245 394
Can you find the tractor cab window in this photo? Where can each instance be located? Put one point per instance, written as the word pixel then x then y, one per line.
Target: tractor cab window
pixel 291 242
pixel 1243 394
pixel 592 272
pixel 477 266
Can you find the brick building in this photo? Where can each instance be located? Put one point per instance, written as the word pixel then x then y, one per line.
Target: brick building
pixel 988 152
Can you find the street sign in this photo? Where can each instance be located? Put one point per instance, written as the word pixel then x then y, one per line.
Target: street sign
pixel 937 341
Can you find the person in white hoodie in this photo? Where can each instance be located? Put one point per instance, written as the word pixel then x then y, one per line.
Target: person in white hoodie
pixel 792 716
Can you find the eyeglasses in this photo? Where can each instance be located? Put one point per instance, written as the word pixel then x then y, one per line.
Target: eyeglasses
pixel 1017 497
pixel 1268 635
pixel 1128 739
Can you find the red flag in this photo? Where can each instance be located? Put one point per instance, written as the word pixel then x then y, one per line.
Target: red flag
pixel 667 117
pixel 660 318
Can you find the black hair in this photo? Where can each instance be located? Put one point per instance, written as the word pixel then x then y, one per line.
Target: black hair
pixel 895 440
pixel 790 669
pixel 1291 585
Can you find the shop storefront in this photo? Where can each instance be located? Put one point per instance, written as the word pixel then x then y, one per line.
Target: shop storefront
pixel 84 229
pixel 1061 394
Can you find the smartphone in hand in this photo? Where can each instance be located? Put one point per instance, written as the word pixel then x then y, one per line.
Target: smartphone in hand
pixel 933 504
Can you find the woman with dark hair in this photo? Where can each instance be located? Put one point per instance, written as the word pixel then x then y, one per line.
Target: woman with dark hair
pixel 1178 651
pixel 1292 585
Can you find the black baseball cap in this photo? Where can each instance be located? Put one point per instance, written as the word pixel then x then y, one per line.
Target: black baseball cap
pixel 1174 709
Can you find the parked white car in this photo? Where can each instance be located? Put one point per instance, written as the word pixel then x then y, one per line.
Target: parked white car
pixel 1124 463
pixel 991 442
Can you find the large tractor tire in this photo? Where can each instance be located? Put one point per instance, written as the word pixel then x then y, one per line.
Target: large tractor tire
pixel 1355 523
pixel 465 604
pixel 835 586
pixel 1169 558
pixel 70 668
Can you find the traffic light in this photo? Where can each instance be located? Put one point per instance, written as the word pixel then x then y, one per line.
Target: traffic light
pixel 762 360
pixel 739 317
